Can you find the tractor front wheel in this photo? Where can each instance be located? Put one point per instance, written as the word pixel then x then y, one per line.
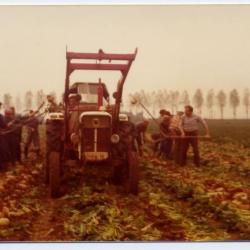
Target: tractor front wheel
pixel 132 172
pixel 54 167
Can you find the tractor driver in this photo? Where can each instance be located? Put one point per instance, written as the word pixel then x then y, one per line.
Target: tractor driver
pixel 52 106
pixel 74 100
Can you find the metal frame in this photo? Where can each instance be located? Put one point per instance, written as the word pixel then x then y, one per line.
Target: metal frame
pixel 98 65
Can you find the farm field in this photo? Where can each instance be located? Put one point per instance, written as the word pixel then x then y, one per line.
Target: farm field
pixel 234 130
pixel 174 203
pixel 223 131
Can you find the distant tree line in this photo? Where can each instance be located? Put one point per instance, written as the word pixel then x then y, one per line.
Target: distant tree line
pixel 30 100
pixel 175 100
pixel 155 100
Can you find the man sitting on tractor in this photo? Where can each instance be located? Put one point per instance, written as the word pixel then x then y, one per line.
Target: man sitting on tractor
pixel 52 105
pixel 74 100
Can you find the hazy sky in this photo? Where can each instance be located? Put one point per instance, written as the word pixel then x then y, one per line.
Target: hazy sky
pixel 180 47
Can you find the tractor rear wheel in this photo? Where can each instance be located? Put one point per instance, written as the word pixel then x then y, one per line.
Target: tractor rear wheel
pixel 132 172
pixel 54 167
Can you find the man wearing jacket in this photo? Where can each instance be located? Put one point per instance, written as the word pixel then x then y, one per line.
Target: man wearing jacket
pixel 32 134
pixel 4 152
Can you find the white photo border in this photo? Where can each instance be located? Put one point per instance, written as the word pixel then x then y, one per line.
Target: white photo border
pixel 120 2
pixel 242 245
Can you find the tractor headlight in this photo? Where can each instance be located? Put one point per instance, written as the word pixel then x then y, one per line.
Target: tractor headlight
pixel 115 138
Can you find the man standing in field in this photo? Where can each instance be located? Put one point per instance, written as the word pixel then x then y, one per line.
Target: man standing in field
pixel 141 129
pixel 32 134
pixel 175 131
pixel 9 118
pixel 166 143
pixel 163 145
pixel 189 126
pixel 13 122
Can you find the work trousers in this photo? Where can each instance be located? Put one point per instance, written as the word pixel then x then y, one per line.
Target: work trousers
pixel 32 137
pixel 194 144
pixel 166 147
pixel 14 146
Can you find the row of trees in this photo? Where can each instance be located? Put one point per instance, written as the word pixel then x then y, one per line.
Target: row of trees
pixel 172 100
pixel 29 101
pixel 161 99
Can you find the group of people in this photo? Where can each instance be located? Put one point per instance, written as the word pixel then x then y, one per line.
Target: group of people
pixel 176 133
pixel 11 136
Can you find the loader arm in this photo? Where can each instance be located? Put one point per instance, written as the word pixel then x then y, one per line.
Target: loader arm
pixel 103 61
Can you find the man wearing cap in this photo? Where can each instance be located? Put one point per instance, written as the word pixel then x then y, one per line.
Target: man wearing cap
pixel 164 112
pixel 141 128
pixel 176 132
pixel 52 106
pixel 189 126
pixel 32 134
pixel 162 145
pixel 166 143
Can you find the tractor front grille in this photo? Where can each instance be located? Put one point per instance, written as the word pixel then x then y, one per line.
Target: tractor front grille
pixel 88 139
pixel 103 139
pixel 96 132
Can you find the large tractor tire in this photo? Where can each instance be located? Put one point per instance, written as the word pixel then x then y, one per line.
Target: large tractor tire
pixel 117 176
pixel 132 172
pixel 127 171
pixel 54 167
pixel 53 156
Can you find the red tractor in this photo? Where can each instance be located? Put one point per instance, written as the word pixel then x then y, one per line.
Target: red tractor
pixel 89 128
